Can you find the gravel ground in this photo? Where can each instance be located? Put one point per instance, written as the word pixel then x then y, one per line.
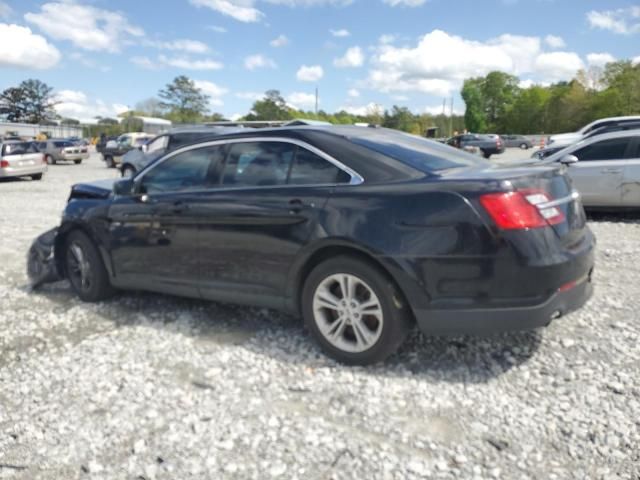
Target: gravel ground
pixel 147 386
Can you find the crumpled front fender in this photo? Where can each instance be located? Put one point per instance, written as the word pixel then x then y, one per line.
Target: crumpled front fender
pixel 41 263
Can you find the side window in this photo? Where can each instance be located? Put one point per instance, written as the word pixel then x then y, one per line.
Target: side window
pixel 258 164
pixel 310 169
pixel 158 144
pixel 636 153
pixel 193 170
pixel 605 150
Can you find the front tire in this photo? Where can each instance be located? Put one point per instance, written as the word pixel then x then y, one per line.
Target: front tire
pixel 37 176
pixel 50 160
pixel 354 311
pixel 524 146
pixel 85 270
pixel 110 162
pixel 77 162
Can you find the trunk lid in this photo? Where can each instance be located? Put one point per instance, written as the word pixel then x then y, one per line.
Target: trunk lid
pixel 533 180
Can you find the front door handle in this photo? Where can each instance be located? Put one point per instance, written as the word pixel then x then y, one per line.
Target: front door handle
pixel 296 206
pixel 611 170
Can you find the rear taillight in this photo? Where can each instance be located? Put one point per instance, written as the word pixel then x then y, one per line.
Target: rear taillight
pixel 4 163
pixel 44 159
pixel 521 209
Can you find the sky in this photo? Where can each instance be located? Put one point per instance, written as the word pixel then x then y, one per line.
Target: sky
pixel 104 56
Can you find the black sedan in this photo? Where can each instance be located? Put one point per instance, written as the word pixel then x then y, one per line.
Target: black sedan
pixel 365 232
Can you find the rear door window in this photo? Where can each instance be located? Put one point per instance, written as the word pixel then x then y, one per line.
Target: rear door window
pixel 612 149
pixel 311 169
pixel 258 164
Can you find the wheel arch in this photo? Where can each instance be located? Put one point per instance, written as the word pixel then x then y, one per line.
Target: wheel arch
pixel 301 271
pixel 61 239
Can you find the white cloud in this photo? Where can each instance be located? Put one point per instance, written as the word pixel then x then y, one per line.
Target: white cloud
pixel 558 65
pixel 437 110
pixel 310 74
pixel 400 98
pixel 353 93
pixel 241 10
pixel 439 63
pixel 87 27
pixel 76 104
pixel 184 45
pixel 386 39
pixel 253 62
pixel 88 62
pixel 553 41
pixel 235 117
pixel 246 11
pixel 405 3
pixel 371 108
pixel 600 59
pixel 301 101
pixel 217 29
pixel 622 21
pixel 353 58
pixel 343 32
pixel 636 60
pixel 281 41
pixel 253 96
pixel 20 47
pixel 215 92
pixel 5 10
pixel 183 63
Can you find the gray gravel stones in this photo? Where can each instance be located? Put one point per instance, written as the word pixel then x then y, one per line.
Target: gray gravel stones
pixel 148 386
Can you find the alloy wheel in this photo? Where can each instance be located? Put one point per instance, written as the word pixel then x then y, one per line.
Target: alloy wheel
pixel 348 313
pixel 79 267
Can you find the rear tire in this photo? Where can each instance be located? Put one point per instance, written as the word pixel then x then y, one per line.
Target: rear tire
pixel 85 270
pixel 37 176
pixel 486 155
pixel 363 326
pixel 50 160
pixel 77 162
pixel 524 146
pixel 110 162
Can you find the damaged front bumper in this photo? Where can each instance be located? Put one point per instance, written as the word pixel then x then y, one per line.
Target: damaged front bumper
pixel 41 262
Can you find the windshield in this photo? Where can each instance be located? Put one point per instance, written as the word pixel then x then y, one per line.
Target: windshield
pixel 18 148
pixel 417 152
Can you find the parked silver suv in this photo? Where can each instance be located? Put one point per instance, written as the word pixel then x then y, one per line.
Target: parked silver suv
pixel 63 151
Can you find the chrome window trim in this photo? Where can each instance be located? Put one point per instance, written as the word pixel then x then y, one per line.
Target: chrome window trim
pixel 356 178
pixel 561 201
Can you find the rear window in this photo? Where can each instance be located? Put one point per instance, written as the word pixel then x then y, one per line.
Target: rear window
pixel 417 152
pixel 18 148
pixel 64 144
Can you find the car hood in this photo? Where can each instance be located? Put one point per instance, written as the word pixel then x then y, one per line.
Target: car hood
pixel 99 190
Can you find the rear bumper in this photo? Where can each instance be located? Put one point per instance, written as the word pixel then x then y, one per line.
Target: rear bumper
pixel 70 157
pixel 22 171
pixel 496 320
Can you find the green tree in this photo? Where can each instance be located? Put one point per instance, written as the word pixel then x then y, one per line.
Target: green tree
pixel 499 91
pixel 272 107
pixel 528 114
pixel 474 117
pixel 184 102
pixel 31 102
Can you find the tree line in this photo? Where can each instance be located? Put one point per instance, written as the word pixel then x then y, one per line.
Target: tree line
pixel 496 103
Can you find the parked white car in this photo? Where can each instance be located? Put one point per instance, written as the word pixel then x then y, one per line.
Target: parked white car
pixel 605 169
pixel 21 159
pixel 570 138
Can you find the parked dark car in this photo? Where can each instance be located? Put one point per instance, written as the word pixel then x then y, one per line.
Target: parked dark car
pixel 488 144
pixel 517 141
pixel 138 158
pixel 364 232
pixel 115 150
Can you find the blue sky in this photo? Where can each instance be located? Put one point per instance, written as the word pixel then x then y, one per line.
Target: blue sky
pixel 104 55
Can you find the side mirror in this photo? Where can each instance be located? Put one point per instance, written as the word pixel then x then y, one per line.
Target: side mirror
pixel 123 187
pixel 569 159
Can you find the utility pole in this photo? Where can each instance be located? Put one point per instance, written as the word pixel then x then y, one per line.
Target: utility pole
pixel 451 119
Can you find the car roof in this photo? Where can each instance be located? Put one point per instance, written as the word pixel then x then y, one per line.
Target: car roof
pixel 594 139
pixel 610 119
